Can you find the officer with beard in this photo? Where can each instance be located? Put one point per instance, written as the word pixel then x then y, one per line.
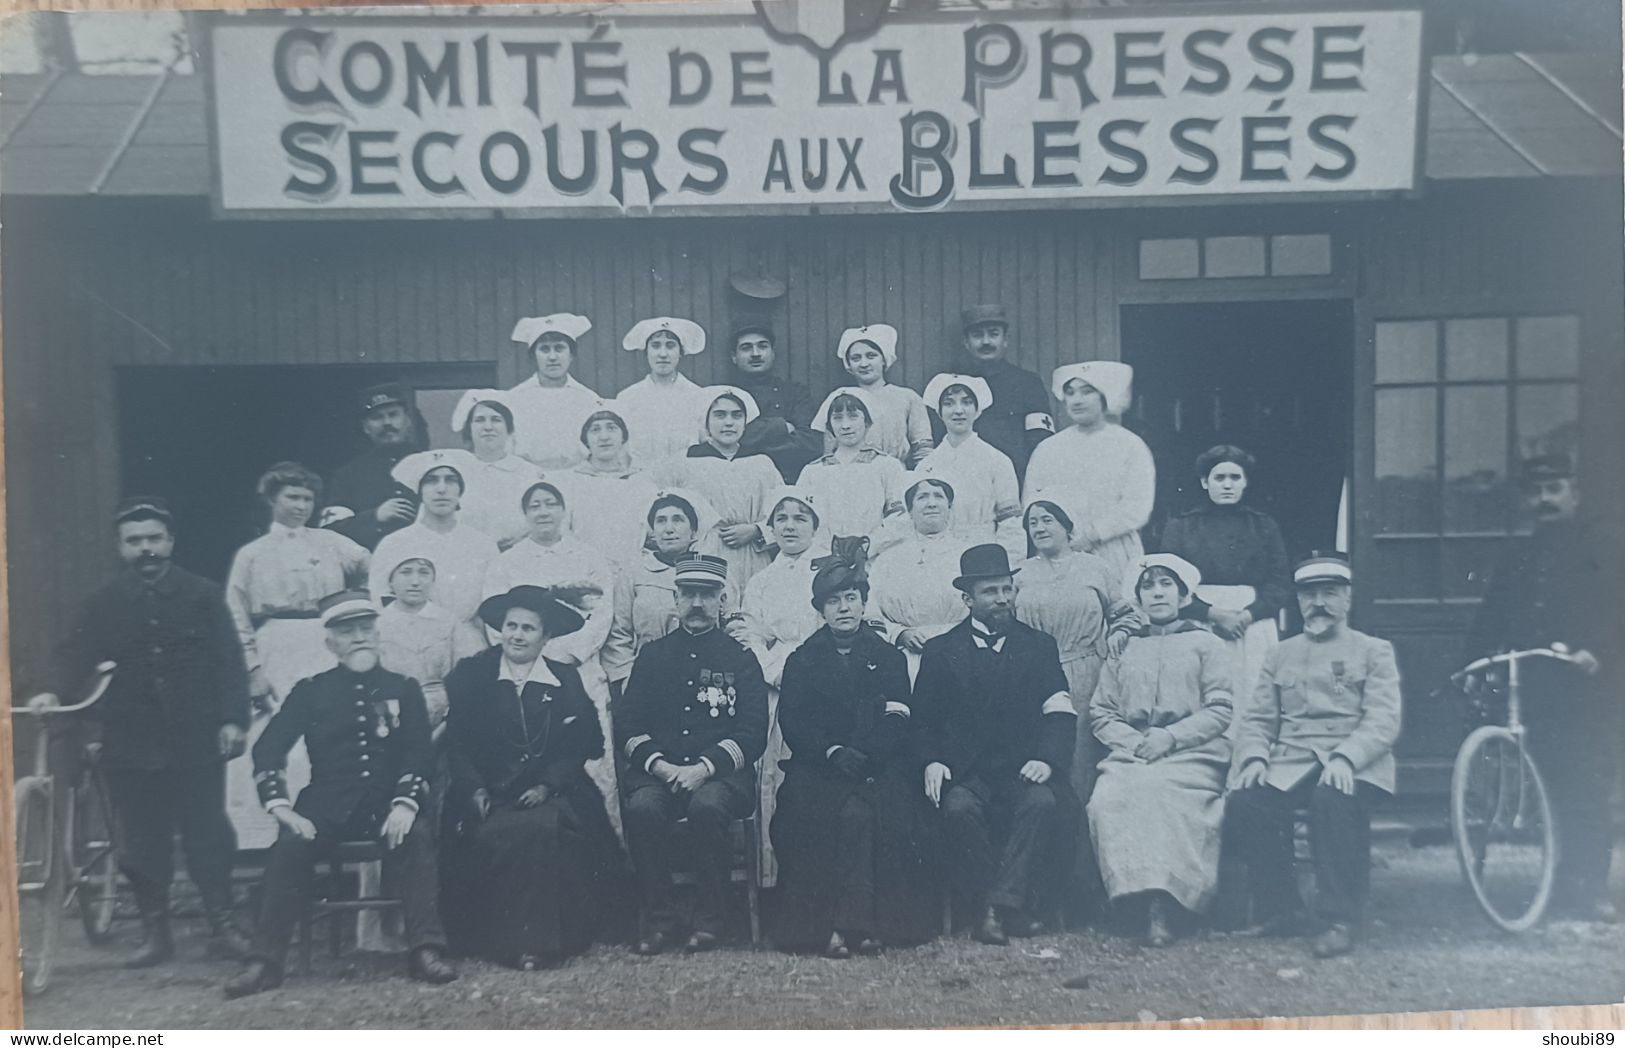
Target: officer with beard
pixel 367 732
pixel 364 502
pixel 1319 733
pixel 175 713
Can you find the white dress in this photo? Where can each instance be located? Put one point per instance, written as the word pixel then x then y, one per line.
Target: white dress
pixel 610 511
pixel 460 558
pixel 418 644
pixel 779 615
pixel 900 425
pixel 492 492
pixel 547 421
pixel 660 418
pixel 571 562
pixel 911 586
pixel 1106 482
pixel 738 490
pixel 275 584
pixel 987 498
pixel 856 491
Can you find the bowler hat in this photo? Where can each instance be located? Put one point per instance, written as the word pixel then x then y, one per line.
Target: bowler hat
pixel 558 618
pixel 987 561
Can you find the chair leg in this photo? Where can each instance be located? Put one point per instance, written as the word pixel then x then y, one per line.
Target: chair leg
pixel 753 862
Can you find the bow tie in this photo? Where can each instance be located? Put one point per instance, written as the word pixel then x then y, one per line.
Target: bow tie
pixel 988 641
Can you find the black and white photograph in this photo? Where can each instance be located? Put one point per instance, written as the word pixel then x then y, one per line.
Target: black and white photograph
pixel 843 514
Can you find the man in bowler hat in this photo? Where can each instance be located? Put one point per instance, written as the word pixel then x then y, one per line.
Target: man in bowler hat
pixel 999 729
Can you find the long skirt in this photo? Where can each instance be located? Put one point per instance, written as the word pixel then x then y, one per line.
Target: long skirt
pixel 853 856
pixel 1249 652
pixel 1082 675
pixel 1156 826
pixel 533 880
pixel 290 650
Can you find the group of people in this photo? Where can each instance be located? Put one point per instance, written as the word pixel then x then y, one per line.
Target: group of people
pixel 918 637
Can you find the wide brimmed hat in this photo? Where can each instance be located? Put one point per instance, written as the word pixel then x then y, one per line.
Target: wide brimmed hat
pixel 882 336
pixel 940 384
pixel 1187 573
pixel 410 471
pixel 1323 567
pixel 346 605
pixel 690 334
pixel 1112 378
pixel 558 617
pixel 987 561
pixel 571 325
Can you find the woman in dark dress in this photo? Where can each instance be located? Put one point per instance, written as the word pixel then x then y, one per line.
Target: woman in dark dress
pixel 1238 550
pixel 851 810
pixel 533 843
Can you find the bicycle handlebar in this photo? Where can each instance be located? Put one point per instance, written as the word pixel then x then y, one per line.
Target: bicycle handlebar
pixel 1479 665
pixel 98 688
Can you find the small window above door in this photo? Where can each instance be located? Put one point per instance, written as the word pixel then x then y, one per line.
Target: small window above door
pixel 1236 257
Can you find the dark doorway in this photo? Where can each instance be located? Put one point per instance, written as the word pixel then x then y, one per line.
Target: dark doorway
pixel 201 437
pixel 1275 378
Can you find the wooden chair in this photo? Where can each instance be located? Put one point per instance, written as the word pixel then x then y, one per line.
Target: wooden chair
pixel 332 897
pixel 742 869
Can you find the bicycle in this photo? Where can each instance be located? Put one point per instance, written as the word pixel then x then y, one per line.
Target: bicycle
pixel 1500 814
pixel 47 849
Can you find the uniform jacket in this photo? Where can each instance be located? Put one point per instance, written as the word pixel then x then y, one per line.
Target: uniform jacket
pixel 691 697
pixel 985 713
pixel 1316 698
pixel 361 486
pixel 495 749
pixel 180 677
pixel 781 402
pixel 1020 416
pixel 367 735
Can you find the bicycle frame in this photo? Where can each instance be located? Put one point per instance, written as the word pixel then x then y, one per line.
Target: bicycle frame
pixel 1512 660
pixel 40 777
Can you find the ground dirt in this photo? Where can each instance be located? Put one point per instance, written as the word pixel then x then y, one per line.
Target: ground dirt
pixel 1427 948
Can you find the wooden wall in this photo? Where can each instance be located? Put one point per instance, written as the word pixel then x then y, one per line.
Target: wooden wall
pixel 93 285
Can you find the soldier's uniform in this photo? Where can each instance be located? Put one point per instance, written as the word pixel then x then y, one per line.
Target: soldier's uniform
pixel 1318 697
pixel 783 432
pixel 368 739
pixel 364 483
pixel 1019 416
pixel 691 699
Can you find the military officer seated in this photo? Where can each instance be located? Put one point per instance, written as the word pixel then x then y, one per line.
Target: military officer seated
pixel 367 733
pixel 1319 733
pixel 692 723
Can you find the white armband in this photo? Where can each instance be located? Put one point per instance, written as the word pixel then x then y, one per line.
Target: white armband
pixel 898 707
pixel 1060 702
pixel 1040 420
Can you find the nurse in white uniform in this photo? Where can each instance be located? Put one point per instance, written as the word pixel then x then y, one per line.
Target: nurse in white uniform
pixel 986 493
pixel 550 406
pixel 663 405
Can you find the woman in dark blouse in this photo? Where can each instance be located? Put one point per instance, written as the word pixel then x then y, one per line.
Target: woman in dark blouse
pixel 1238 550
pixel 533 843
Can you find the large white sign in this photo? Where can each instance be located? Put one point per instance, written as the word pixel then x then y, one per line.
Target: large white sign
pixel 644 114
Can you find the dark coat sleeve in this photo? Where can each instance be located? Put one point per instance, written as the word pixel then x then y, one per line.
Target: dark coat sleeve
pixel 889 740
pixel 226 652
pixel 1034 400
pixel 417 741
pixel 462 729
pixel 633 724
pixel 805 732
pixel 935 689
pixel 1058 731
pixel 286 727
pixel 574 737
pixel 1274 585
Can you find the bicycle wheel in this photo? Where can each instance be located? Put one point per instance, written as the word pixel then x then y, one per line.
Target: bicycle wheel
pixel 39 883
pixel 89 838
pixel 1502 821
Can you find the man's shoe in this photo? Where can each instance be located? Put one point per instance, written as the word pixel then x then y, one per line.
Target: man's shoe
pixel 158 947
pixel 227 941
pixel 1158 932
pixel 651 945
pixel 701 942
pixel 1289 924
pixel 837 949
pixel 426 965
pixel 1334 941
pixel 991 930
pixel 254 978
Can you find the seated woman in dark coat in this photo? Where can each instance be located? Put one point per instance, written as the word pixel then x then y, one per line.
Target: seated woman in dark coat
pixel 847 829
pixel 533 843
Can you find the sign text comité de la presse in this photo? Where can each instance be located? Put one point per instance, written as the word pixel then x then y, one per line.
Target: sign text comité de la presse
pixel 660 114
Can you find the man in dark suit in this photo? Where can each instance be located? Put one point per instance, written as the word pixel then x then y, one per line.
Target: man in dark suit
pixel 175 713
pixel 367 733
pixel 783 430
pixel 998 730
pixel 692 723
pixel 364 501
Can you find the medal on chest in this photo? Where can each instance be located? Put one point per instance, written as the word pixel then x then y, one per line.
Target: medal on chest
pixel 386 717
pixel 716 692
pixel 1339 673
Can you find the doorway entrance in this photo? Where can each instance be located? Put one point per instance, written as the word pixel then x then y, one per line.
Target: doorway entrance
pixel 201 436
pixel 1275 378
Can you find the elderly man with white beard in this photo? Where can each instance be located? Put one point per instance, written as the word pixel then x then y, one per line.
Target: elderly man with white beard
pixel 367 732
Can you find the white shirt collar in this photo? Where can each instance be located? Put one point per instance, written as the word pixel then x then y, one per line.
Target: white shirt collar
pixel 537 674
